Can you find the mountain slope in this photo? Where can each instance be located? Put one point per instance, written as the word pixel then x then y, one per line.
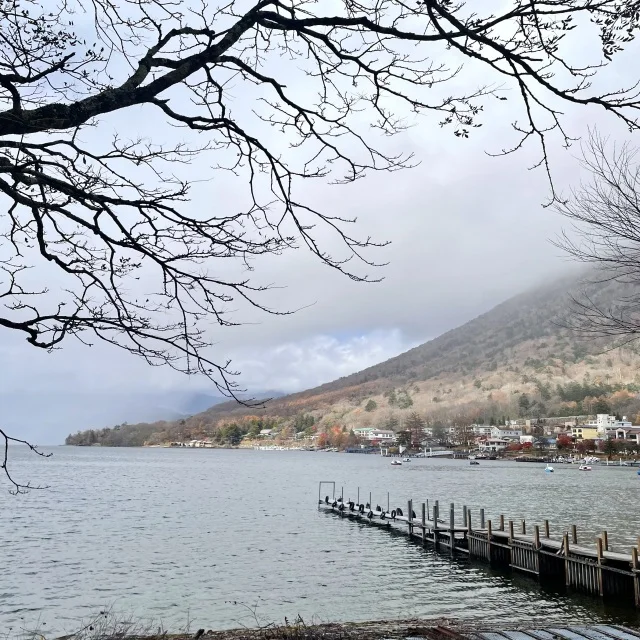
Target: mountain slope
pixel 477 371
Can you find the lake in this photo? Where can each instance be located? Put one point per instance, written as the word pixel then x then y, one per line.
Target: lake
pixel 225 538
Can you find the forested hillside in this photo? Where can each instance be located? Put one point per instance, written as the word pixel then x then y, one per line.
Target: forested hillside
pixel 519 359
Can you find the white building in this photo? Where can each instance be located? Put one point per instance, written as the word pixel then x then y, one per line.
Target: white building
pixel 382 434
pixel 506 433
pixel 628 433
pixel 526 439
pixel 493 444
pixel 370 433
pixel 606 424
pixel 481 429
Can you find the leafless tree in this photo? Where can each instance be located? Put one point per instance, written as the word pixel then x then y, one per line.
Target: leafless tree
pixel 100 215
pixel 605 233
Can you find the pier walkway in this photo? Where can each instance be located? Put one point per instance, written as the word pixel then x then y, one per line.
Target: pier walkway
pixel 562 561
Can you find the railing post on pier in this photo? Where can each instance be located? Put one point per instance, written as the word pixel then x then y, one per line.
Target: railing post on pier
pixel 469 526
pixel 636 575
pixel 410 517
pixel 536 536
pixel 452 527
pixel 501 522
pixel 574 534
pixel 489 541
pixel 464 516
pixel 482 523
pixel 424 524
pixel 599 548
pixel 546 528
pixel 435 526
pixel 524 528
pixel 605 540
pixel 565 546
pixel 510 531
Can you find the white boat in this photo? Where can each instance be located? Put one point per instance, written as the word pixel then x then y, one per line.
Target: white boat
pixel 406 459
pixel 584 467
pixel 396 463
pixel 548 469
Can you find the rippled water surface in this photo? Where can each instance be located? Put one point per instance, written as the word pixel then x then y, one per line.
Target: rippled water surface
pixel 205 535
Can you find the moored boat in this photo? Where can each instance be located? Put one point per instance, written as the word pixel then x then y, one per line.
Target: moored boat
pixel 396 463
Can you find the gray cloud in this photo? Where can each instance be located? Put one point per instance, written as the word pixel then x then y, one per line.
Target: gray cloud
pixel 466 232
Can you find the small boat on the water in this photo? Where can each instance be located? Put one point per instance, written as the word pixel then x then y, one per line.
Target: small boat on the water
pixel 406 459
pixel 473 462
pixel 584 467
pixel 396 463
pixel 548 469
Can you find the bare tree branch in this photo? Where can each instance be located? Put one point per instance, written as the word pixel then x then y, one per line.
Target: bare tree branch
pixel 114 222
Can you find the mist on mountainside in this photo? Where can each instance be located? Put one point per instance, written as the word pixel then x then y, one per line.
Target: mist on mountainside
pixel 519 359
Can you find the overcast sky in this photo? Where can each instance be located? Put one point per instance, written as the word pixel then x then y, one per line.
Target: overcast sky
pixel 467 231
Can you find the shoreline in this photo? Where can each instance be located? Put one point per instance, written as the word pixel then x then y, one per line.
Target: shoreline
pixel 408 628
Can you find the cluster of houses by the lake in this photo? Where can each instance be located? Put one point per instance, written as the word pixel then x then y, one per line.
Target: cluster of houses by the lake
pixel 486 438
pixel 494 439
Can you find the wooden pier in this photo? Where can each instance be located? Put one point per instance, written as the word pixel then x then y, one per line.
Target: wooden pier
pixel 559 561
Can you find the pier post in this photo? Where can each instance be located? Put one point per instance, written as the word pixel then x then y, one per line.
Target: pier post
pixel 388 509
pixel 410 516
pixel 565 546
pixel 605 540
pixel 452 527
pixel 489 541
pixel 464 516
pixel 501 522
pixel 469 525
pixel 482 523
pixel 599 547
pixel 424 524
pixel 536 536
pixel 574 534
pixel 524 528
pixel 370 503
pixel 510 531
pixel 358 496
pixel 546 528
pixel 435 526
pixel 635 567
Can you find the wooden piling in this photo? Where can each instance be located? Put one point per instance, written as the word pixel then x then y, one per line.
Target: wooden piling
pixel 482 523
pixel 469 524
pixel 546 528
pixel 605 540
pixel 536 536
pixel 410 516
pixel 599 549
pixel 501 522
pixel 452 527
pixel 524 528
pixel 489 541
pixel 510 531
pixel 424 524
pixel 464 516
pixel 635 567
pixel 435 526
pixel 574 534
pixel 565 546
